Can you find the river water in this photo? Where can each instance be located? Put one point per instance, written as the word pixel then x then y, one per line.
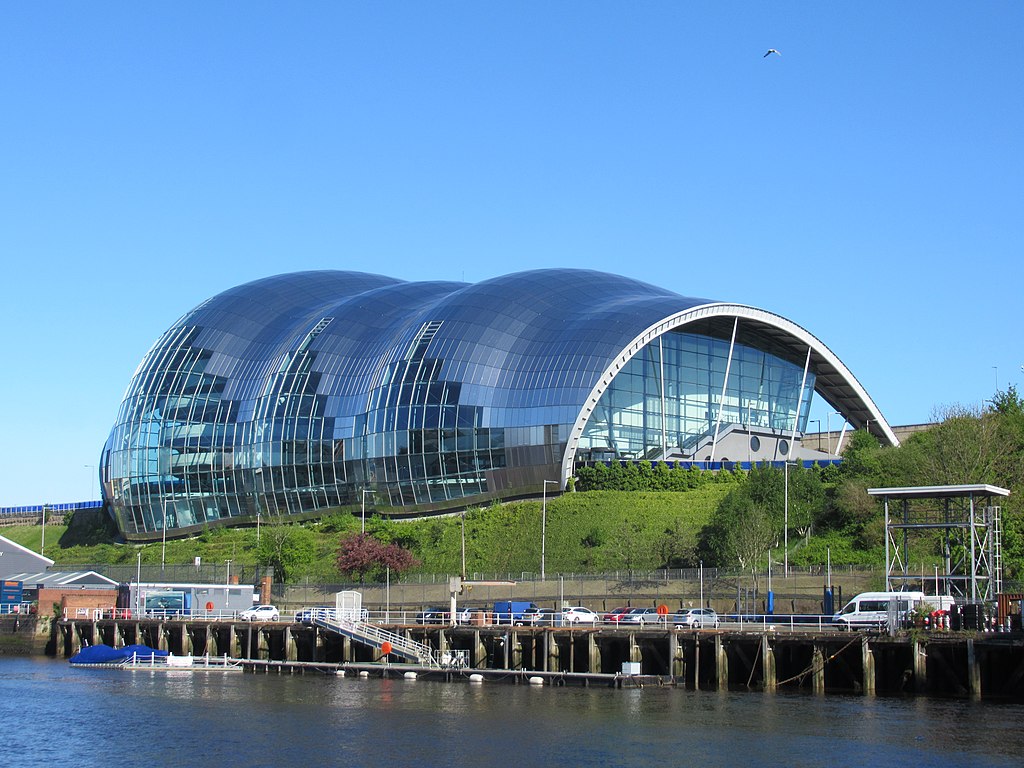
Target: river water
pixel 54 715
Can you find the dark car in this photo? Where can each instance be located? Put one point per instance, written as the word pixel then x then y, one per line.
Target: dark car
pixel 544 617
pixel 432 616
pixel 307 615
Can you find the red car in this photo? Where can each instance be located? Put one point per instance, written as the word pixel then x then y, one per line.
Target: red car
pixel 615 615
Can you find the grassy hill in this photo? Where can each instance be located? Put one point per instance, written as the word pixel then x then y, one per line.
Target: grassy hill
pixel 586 532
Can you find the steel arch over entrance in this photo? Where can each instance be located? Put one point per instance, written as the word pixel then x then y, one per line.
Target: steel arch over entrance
pixel 834 381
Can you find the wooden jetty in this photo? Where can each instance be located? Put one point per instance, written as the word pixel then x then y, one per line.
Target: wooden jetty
pixel 818 661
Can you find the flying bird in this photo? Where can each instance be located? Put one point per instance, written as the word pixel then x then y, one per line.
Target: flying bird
pixel 770 52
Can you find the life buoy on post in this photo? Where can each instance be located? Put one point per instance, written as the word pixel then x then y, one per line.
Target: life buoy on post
pixel 209 606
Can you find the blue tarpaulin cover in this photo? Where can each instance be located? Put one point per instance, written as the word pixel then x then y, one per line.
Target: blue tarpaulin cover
pixel 104 654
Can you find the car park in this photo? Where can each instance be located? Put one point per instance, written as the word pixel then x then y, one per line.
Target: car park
pixel 579 615
pixel 696 618
pixel 260 613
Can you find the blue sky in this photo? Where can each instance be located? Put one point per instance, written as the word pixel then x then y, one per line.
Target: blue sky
pixel 866 184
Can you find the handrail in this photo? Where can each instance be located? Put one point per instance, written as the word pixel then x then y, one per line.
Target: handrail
pixel 377 636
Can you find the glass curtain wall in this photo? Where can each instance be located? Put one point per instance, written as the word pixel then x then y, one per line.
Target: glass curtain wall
pixel 669 396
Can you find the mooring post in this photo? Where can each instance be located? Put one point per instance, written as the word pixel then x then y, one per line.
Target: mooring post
pixel 696 663
pixel 479 651
pixel 677 664
pixel 768 665
pixel 635 653
pixel 818 671
pixel 593 653
pixel 721 664
pixel 867 665
pixel 920 652
pixel 291 651
pixel 973 670
pixel 553 663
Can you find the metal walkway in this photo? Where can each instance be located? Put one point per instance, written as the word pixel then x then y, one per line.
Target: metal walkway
pixel 375 637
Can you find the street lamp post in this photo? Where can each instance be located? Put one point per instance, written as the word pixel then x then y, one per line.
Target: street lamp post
pixel 363 506
pixel 785 526
pixel 163 541
pixel 818 422
pixel 828 427
pixel 544 524
pixel 138 581
pixel 463 545
pixel 42 533
pixel 701 583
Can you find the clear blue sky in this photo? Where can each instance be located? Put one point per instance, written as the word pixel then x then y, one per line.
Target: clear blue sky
pixel 867 184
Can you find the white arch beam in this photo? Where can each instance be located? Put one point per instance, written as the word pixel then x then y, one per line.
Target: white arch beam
pixel 834 381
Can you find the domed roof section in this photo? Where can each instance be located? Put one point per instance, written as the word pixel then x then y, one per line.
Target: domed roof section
pixel 543 337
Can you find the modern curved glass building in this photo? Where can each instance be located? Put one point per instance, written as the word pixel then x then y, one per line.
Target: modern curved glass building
pixel 304 392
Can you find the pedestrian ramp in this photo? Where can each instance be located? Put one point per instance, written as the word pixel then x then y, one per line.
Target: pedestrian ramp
pixel 376 637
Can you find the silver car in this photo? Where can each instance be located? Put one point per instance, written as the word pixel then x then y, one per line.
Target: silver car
pixel 696 618
pixel 641 616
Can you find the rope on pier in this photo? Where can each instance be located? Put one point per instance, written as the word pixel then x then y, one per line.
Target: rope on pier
pixel 811 667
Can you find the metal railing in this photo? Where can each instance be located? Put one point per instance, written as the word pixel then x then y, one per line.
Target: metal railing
pixel 372 634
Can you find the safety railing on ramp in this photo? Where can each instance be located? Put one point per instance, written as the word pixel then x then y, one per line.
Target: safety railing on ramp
pixel 374 636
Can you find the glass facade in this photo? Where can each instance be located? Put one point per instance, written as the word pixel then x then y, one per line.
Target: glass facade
pixel 670 396
pixel 316 390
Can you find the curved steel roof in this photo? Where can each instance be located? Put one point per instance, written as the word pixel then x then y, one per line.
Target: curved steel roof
pixel 549 336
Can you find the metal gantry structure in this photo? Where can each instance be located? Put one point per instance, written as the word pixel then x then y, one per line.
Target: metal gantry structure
pixel 966 524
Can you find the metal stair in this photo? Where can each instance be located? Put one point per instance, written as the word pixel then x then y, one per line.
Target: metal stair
pixel 375 637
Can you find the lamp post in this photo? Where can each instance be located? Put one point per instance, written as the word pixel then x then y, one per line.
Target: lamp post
pixel 544 524
pixel 785 526
pixel 818 422
pixel 463 545
pixel 701 583
pixel 362 501
pixel 42 532
pixel 163 542
pixel 258 515
pixel 228 577
pixel 828 427
pixel 138 580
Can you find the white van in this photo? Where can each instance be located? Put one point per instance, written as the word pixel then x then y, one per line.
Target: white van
pixel 871 610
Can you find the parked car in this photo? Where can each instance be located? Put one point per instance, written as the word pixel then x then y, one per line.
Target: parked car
pixel 260 613
pixel 544 617
pixel 470 614
pixel 432 616
pixel 307 615
pixel 696 618
pixel 579 615
pixel 641 616
pixel 615 615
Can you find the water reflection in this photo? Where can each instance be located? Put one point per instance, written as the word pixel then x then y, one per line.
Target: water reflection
pixel 211 719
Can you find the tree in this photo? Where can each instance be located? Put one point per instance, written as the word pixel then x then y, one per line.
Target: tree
pixel 285 547
pixel 360 554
